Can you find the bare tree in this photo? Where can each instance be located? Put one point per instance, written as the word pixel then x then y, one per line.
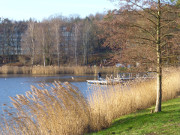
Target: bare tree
pixel 86 38
pixel 56 24
pixel 29 40
pixel 76 38
pixel 151 29
pixel 40 44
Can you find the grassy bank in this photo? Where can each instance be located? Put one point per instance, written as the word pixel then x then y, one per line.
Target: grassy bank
pixel 147 123
pixel 53 70
pixel 62 109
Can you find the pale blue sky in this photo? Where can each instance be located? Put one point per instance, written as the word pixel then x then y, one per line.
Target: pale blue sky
pixel 39 9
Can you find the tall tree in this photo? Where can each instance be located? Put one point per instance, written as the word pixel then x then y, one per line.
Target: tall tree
pixel 57 23
pixel 86 38
pixel 76 38
pixel 29 40
pixel 153 26
pixel 40 44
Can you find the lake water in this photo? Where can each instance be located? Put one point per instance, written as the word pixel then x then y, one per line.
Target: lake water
pixel 11 85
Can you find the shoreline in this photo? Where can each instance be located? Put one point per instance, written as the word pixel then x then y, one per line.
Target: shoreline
pixel 55 70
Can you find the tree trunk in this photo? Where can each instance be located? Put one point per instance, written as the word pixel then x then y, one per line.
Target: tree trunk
pixel 84 53
pixel 159 83
pixel 57 43
pixel 32 41
pixel 33 53
pixel 75 44
pixel 159 63
pixel 58 52
pixel 44 49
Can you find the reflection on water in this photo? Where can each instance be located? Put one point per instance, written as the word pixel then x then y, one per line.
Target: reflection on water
pixel 11 85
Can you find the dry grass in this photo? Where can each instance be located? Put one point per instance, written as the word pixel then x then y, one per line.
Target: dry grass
pixel 52 70
pixel 62 109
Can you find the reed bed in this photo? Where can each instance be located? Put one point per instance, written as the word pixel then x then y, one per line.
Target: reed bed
pixel 15 70
pixel 53 70
pixel 62 109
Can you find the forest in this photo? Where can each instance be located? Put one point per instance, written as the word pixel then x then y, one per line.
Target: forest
pixel 57 40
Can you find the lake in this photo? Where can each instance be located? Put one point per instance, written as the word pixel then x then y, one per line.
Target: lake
pixel 11 85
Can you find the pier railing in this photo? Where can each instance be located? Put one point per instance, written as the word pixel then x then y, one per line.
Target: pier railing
pixel 131 76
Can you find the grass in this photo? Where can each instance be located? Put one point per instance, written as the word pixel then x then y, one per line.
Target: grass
pixel 62 109
pixel 144 122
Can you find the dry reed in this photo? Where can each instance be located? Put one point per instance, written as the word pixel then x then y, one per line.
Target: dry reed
pixel 53 70
pixel 62 109
pixel 130 97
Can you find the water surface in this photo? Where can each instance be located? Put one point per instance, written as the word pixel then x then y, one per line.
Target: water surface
pixel 11 85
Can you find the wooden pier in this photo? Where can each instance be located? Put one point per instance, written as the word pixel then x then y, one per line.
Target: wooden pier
pixel 121 77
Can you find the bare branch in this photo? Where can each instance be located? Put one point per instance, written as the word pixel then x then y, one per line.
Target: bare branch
pixel 170 56
pixel 144 9
pixel 166 35
pixel 154 41
pixel 169 22
pixel 145 30
pixel 147 18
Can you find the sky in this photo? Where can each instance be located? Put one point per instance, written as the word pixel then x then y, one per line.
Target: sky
pixel 40 9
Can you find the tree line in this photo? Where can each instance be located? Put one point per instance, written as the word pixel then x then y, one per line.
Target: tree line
pixel 57 40
pixel 121 36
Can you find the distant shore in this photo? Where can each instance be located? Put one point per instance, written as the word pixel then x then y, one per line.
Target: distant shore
pixel 53 70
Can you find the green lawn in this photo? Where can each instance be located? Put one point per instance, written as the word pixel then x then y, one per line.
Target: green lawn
pixel 144 122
